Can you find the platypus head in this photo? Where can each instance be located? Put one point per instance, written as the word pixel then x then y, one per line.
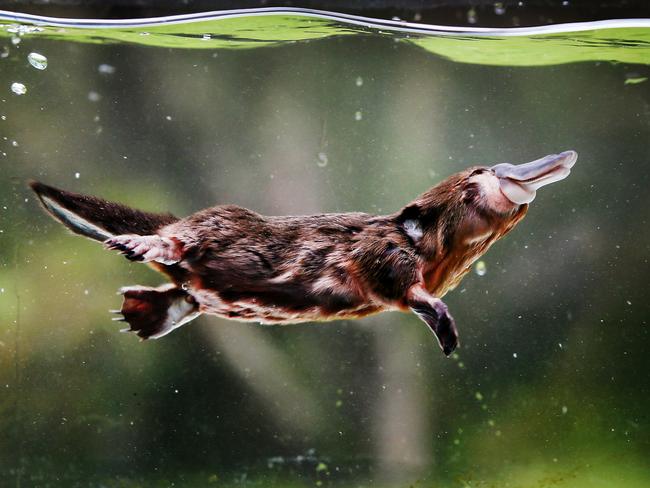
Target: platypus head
pixel 457 220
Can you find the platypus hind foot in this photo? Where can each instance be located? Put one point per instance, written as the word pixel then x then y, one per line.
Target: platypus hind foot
pixel 146 248
pixel 155 312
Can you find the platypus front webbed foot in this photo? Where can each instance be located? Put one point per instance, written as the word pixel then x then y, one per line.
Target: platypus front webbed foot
pixel 146 248
pixel 155 312
pixel 434 313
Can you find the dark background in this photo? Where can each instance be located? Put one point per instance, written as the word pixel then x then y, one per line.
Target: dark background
pixel 488 13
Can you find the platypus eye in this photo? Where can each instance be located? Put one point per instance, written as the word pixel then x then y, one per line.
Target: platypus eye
pixel 477 171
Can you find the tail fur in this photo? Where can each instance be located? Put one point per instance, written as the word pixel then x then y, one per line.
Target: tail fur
pixel 96 218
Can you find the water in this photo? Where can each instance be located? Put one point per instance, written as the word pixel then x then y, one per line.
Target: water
pixel 550 385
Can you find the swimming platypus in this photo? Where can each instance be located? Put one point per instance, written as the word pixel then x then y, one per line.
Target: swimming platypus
pixel 237 264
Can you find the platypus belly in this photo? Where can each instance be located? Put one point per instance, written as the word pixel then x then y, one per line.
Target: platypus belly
pixel 280 303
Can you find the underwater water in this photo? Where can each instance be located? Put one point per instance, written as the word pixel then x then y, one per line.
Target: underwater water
pixel 290 113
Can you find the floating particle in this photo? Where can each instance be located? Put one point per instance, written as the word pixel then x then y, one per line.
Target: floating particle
pixel 635 80
pixel 472 18
pixel 359 81
pixel 93 96
pixel 514 355
pixel 479 396
pixel 168 117
pixel 499 8
pixel 18 88
pixel 358 115
pixel 77 175
pixel 106 69
pixel 14 143
pixel 15 40
pixel 4 53
pixel 37 60
pixel 322 160
pixel 480 268
pixel 564 409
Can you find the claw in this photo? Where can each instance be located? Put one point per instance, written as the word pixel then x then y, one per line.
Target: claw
pixel 146 248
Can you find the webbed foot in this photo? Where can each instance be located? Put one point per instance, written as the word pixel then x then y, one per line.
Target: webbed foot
pixel 435 314
pixel 155 312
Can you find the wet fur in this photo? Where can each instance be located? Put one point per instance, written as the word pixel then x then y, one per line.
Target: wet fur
pixel 240 265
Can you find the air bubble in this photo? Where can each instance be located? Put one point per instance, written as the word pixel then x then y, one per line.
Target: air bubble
pixel 358 115
pixel 472 18
pixel 18 88
pixel 359 81
pixel 106 69
pixel 322 160
pixel 37 60
pixel 93 96
pixel 480 268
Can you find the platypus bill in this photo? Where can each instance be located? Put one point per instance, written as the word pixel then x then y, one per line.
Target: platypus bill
pixel 237 264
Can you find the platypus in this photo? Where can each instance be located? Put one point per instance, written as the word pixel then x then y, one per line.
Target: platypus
pixel 237 264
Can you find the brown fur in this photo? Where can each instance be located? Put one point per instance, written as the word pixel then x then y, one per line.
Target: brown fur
pixel 238 264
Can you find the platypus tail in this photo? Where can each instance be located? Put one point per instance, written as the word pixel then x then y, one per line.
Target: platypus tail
pixel 96 218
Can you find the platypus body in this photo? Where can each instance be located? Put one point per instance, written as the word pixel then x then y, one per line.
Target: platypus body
pixel 237 264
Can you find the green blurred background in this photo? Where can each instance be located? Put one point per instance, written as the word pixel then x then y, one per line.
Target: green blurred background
pixel 550 386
